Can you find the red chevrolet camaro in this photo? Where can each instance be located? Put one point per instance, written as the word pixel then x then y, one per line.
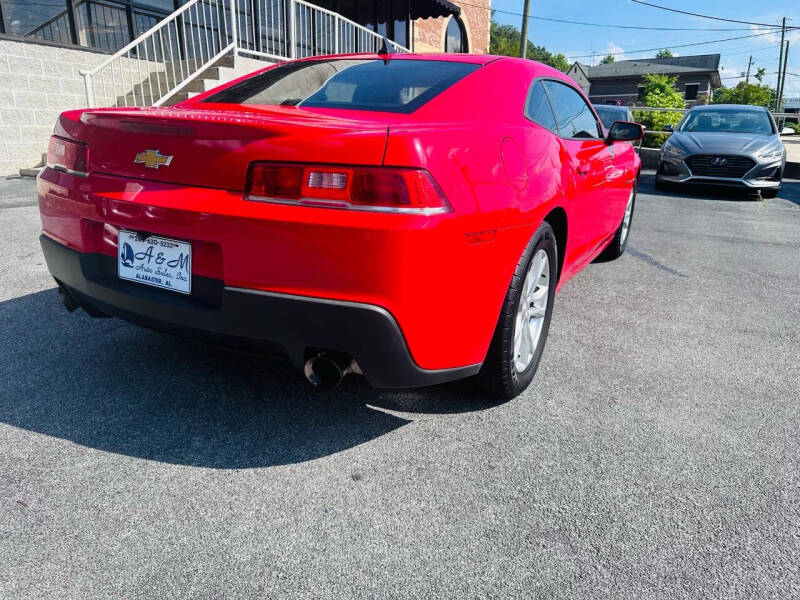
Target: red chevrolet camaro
pixel 406 217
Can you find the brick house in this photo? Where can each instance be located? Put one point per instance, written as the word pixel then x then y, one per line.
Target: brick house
pixel 46 48
pixel 623 81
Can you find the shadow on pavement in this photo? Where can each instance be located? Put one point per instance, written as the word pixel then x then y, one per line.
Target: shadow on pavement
pixel 790 190
pixel 105 384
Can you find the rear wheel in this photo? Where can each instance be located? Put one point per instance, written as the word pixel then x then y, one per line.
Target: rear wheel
pixel 521 332
pixel 770 193
pixel 617 246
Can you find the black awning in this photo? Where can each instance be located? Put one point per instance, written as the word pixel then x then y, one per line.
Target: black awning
pixel 418 9
pixel 425 9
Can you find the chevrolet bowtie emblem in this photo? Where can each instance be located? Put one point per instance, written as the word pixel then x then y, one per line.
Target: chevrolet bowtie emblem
pixel 152 159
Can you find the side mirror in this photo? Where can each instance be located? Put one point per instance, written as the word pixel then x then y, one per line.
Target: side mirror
pixel 624 131
pixel 787 131
pixel 667 128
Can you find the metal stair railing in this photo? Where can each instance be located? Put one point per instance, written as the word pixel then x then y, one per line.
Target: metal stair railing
pixel 165 58
pixel 287 29
pixel 168 56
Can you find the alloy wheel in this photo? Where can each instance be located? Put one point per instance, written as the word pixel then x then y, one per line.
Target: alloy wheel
pixel 531 311
pixel 626 220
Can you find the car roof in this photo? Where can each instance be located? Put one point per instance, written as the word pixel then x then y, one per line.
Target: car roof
pixel 540 69
pixel 476 59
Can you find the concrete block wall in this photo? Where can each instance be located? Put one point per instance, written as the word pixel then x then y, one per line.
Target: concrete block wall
pixel 37 83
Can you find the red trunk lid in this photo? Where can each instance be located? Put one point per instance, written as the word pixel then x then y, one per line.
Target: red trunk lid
pixel 213 148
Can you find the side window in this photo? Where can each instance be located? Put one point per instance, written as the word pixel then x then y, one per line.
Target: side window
pixel 538 107
pixel 574 118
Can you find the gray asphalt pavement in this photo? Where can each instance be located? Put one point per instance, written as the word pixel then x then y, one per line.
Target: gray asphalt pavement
pixel 657 454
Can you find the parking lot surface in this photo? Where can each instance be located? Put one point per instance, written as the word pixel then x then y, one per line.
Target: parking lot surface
pixel 657 454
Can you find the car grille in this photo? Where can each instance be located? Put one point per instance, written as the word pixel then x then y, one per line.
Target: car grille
pixel 736 166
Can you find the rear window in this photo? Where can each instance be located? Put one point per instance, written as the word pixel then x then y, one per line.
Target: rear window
pixel 357 84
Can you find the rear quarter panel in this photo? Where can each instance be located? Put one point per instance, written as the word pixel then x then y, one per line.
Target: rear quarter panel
pixel 502 174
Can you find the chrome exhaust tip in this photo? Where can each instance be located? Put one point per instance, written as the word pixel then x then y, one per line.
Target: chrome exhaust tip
pixel 326 371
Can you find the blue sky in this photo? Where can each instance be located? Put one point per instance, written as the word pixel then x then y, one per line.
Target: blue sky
pixel 580 40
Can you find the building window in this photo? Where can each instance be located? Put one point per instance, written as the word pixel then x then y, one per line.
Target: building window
pixel 640 91
pixel 400 17
pixel 455 39
pixel 365 15
pixel 43 20
pixel 103 24
pixel 691 91
pixel 383 11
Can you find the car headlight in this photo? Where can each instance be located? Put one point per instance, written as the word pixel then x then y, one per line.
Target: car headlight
pixel 673 150
pixel 771 154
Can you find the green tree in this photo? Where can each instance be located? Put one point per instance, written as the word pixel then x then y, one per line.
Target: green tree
pixel 664 53
pixel 760 74
pixel 608 58
pixel 659 92
pixel 504 41
pixel 746 93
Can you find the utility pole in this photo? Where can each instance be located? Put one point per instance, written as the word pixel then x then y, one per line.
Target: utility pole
pixel 783 77
pixel 780 63
pixel 749 62
pixel 523 40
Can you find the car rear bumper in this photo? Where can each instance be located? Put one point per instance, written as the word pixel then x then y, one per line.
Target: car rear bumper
pixel 762 176
pixel 249 319
pixel 443 287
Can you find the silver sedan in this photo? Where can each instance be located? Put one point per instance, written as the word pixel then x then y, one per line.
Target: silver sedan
pixel 724 145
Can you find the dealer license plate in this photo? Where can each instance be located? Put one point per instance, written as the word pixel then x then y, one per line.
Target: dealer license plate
pixel 156 261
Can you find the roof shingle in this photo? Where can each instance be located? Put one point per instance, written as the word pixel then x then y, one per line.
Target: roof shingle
pixel 647 66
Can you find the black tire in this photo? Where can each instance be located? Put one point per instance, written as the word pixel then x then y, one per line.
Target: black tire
pixel 498 374
pixel 616 247
pixel 661 185
pixel 770 193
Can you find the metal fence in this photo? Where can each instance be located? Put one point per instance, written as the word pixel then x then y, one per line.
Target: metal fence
pixel 171 53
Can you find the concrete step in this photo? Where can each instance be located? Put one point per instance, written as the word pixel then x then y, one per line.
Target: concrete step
pixel 147 90
pixel 178 97
pixel 218 73
pixel 206 83
pixel 36 169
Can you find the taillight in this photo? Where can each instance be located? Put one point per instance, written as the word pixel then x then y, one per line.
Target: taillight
pixel 384 189
pixel 68 156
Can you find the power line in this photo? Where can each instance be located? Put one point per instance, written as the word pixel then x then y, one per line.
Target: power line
pixel 671 46
pixel 641 27
pixel 742 76
pixel 609 25
pixel 693 14
pixel 634 27
pixel 768 48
